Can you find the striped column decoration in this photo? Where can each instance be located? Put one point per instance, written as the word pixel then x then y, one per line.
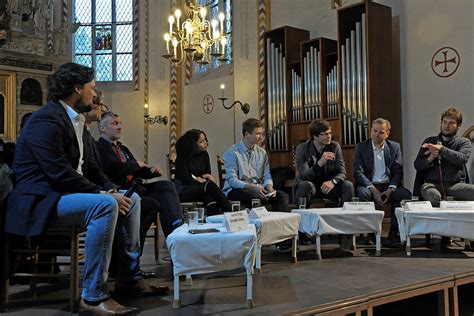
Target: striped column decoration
pixel 50 28
pixel 263 7
pixel 187 71
pixel 64 14
pixel 136 48
pixel 146 91
pixel 175 99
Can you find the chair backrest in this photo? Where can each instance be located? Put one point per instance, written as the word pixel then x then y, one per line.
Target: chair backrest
pixel 221 171
pixel 170 167
pixel 469 133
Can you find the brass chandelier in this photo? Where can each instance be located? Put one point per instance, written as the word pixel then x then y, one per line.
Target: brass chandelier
pixel 196 37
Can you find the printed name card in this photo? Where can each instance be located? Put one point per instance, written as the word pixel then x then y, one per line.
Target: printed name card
pixel 457 205
pixel 359 206
pixel 258 212
pixel 419 206
pixel 235 221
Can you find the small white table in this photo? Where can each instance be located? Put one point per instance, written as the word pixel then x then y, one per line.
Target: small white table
pixel 271 229
pixel 211 252
pixel 443 222
pixel 338 221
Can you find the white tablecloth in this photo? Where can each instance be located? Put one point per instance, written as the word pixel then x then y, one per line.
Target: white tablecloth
pixel 338 221
pixel 212 252
pixel 452 223
pixel 271 229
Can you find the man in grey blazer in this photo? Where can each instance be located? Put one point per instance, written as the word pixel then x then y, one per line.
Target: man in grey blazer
pixel 378 172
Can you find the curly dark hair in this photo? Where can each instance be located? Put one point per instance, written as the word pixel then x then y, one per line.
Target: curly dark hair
pixel 187 144
pixel 317 127
pixel 61 83
pixel 454 114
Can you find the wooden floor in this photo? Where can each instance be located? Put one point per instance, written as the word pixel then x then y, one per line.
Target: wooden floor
pixel 350 281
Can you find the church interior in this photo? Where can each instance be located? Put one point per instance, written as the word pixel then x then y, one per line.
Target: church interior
pixel 169 66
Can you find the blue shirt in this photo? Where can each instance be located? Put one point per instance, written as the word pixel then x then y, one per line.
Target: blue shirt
pixel 243 166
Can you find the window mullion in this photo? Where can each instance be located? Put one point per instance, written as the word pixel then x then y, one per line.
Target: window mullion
pixel 93 25
pixel 114 41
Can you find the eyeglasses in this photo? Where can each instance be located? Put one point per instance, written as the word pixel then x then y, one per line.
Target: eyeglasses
pixel 325 134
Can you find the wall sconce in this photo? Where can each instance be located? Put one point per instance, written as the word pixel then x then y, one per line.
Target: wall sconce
pixel 158 119
pixel 245 107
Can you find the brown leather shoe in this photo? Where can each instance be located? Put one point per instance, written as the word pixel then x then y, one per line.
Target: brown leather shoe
pixel 108 307
pixel 140 288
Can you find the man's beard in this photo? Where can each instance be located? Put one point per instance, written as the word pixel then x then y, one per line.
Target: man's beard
pixel 448 135
pixel 82 108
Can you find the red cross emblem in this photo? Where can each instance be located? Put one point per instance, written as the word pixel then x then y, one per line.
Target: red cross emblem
pixel 445 62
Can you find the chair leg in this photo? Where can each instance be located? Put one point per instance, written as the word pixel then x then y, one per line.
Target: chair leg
pixel 74 281
pixel 156 238
pixel 4 273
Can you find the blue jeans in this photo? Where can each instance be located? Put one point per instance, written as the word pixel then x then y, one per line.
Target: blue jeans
pixel 99 214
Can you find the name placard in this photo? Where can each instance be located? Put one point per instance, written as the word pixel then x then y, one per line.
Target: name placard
pixel 258 212
pixel 359 206
pixel 457 205
pixel 235 221
pixel 419 206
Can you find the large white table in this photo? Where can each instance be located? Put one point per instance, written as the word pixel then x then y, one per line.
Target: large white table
pixel 444 222
pixel 205 253
pixel 317 222
pixel 271 229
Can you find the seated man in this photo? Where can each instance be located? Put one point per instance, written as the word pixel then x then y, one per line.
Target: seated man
pixel 321 171
pixel 149 207
pixel 51 190
pixel 121 167
pixel 441 162
pixel 248 170
pixel 378 171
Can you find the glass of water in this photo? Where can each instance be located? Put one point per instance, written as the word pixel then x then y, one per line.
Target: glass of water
pixel 354 199
pixel 201 214
pixel 415 198
pixel 255 203
pixel 450 198
pixel 235 206
pixel 302 203
pixel 192 220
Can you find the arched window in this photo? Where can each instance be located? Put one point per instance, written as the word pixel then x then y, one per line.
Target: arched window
pixel 104 39
pixel 214 7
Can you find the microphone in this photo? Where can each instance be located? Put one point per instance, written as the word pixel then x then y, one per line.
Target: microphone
pixel 439 156
pixel 135 184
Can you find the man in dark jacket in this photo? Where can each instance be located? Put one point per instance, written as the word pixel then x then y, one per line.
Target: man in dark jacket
pixel 50 164
pixel 320 167
pixel 378 172
pixel 121 167
pixel 441 161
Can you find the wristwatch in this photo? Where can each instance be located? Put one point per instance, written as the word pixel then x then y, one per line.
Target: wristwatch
pixel 334 181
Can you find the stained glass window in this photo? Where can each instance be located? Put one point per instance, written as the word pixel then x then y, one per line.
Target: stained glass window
pixel 104 39
pixel 214 7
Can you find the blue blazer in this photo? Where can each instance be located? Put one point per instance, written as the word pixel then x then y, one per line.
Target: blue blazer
pixel 45 163
pixel 363 163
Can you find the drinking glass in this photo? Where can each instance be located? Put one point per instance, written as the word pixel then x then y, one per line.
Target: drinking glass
pixel 302 203
pixel 255 203
pixel 415 199
pixel 201 214
pixel 235 206
pixel 193 220
pixel 354 199
pixel 450 198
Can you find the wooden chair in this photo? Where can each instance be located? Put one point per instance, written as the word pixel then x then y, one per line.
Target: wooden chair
pixel 221 171
pixel 66 241
pixel 156 236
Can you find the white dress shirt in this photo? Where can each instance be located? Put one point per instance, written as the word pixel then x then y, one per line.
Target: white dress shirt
pixel 77 121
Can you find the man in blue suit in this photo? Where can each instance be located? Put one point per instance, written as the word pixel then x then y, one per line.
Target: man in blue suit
pixel 378 172
pixel 51 165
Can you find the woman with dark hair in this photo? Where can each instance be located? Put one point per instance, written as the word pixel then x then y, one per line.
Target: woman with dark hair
pixel 193 180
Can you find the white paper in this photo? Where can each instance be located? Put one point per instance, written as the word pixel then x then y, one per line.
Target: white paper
pixel 359 206
pixel 419 206
pixel 457 205
pixel 258 212
pixel 235 221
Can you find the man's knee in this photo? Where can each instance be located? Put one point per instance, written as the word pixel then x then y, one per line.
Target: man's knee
pixel 304 188
pixel 401 193
pixel 363 193
pixel 347 187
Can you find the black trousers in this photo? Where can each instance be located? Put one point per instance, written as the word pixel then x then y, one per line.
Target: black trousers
pixel 208 193
pixel 279 202
pixel 164 192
